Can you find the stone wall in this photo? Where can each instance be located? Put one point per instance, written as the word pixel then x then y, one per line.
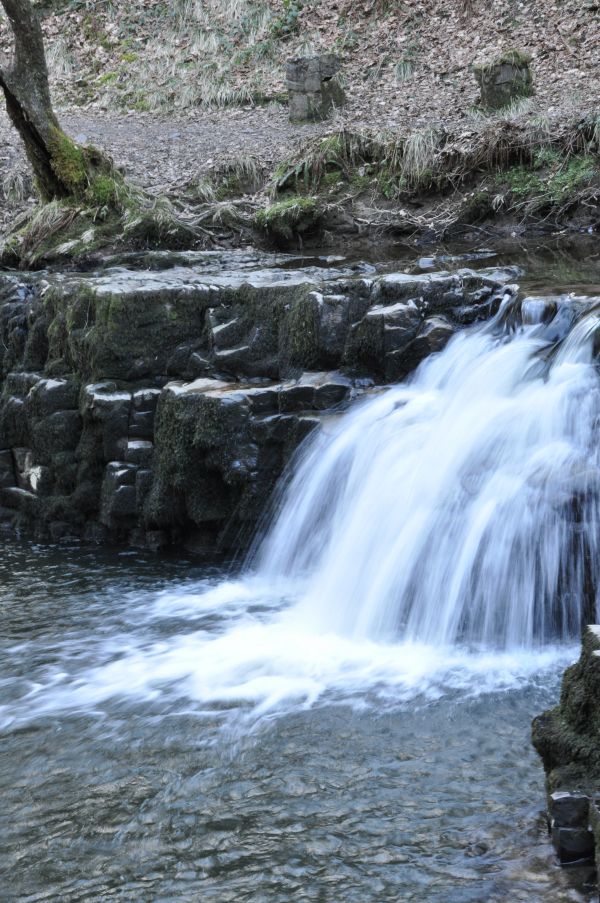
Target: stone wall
pixel 568 741
pixel 152 408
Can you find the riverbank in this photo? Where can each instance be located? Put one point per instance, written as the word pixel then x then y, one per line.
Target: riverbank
pixel 412 153
pixel 304 187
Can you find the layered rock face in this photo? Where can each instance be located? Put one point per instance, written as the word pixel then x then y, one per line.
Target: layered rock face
pixel 161 407
pixel 568 740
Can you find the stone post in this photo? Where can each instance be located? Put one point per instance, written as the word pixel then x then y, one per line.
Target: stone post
pixel 313 88
pixel 504 79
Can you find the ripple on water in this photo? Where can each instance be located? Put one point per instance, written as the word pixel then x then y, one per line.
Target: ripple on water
pixel 160 794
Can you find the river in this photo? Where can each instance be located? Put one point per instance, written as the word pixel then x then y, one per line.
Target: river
pixel 344 717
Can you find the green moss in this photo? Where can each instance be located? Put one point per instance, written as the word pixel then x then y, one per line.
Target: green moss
pixel 360 182
pixel 103 191
pixel 545 157
pixel 332 148
pixel 332 179
pixel 551 178
pixel 477 206
pixel 387 184
pixel 578 172
pixel 515 58
pixel 68 161
pixel 230 186
pixel 107 78
pixel 521 181
pixel 141 105
pixel 293 216
pixel 508 57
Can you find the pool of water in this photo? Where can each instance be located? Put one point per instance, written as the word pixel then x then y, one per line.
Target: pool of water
pixel 143 761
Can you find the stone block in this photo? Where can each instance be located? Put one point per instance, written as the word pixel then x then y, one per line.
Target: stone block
pixel 568 809
pixel 433 336
pixel 504 79
pixel 573 845
pixel 55 433
pixel 105 405
pixel 51 395
pixel 139 451
pixel 313 88
pixel 118 492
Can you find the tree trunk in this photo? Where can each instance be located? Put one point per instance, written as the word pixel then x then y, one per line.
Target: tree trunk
pixel 60 166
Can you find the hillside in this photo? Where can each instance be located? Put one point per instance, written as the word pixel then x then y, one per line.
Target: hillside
pixel 402 60
pixel 176 90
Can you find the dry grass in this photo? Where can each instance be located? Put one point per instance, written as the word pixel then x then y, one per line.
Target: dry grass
pixel 214 53
pixel 59 59
pixel 418 161
pixel 47 221
pixel 16 183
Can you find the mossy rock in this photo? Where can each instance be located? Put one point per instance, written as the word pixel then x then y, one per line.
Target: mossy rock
pixel 504 79
pixel 291 218
pixel 567 736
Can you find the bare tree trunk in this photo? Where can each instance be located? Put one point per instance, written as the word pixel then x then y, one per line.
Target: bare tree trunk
pixel 60 166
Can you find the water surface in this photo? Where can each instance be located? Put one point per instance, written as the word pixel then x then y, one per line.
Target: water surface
pixel 154 791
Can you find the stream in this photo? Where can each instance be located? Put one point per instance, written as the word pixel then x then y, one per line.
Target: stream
pixel 344 716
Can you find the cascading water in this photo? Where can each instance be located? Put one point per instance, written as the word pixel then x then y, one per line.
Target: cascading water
pixel 462 506
pixel 440 536
pixel 347 718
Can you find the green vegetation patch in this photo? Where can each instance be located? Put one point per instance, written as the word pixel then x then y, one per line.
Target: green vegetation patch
pixel 551 179
pixel 289 218
pixel 68 161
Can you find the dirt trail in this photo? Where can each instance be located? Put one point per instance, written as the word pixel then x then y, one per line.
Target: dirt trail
pixel 161 154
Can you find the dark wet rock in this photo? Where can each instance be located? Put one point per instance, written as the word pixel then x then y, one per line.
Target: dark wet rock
pixel 161 406
pixel 55 433
pixel 433 336
pixel 139 451
pixel 106 413
pixel 141 413
pixel 48 396
pixel 118 492
pixel 573 845
pixel 566 737
pixel 568 809
pixel 7 469
pixel 383 334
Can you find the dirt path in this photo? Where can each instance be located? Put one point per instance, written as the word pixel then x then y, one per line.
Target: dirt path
pixel 161 153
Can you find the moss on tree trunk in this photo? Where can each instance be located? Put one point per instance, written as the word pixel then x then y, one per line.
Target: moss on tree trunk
pixel 62 169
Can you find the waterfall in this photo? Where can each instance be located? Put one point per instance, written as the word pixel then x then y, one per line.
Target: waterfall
pixel 439 537
pixel 463 505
